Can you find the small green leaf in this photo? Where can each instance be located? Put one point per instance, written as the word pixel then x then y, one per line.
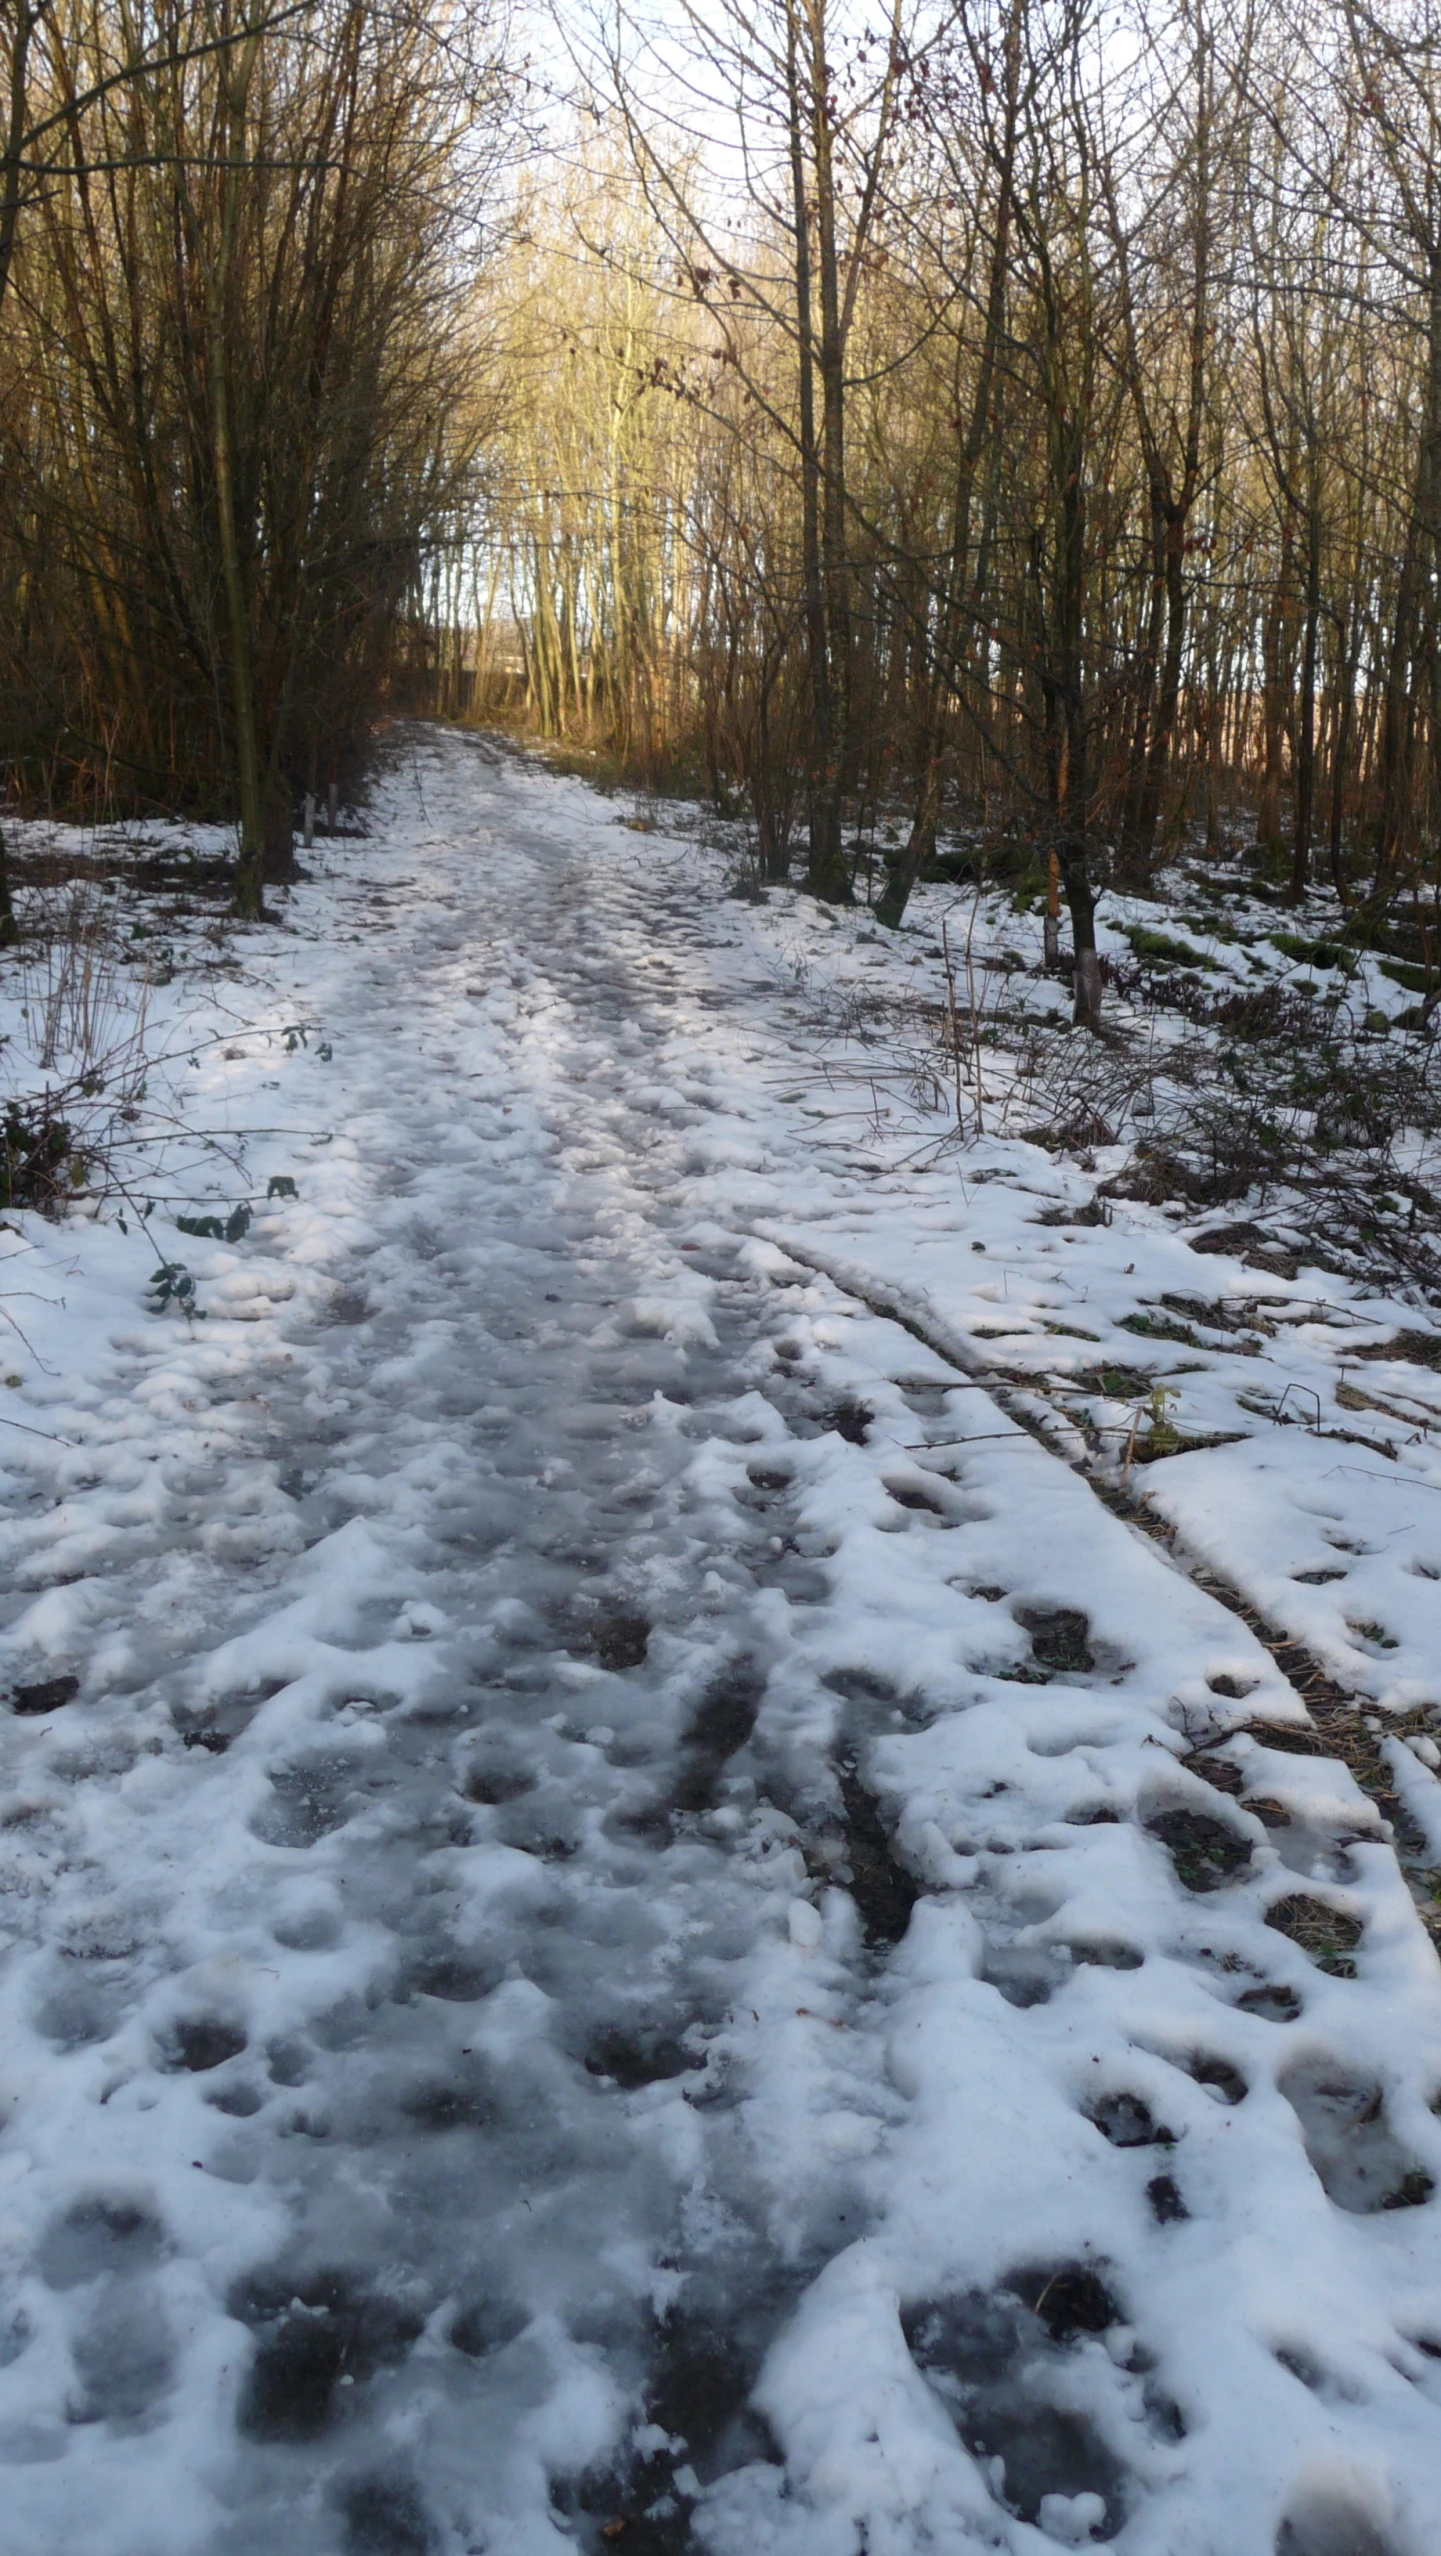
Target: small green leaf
pixel 280 1185
pixel 173 1284
pixel 205 1228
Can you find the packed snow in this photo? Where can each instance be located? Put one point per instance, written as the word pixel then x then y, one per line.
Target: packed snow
pixel 651 1898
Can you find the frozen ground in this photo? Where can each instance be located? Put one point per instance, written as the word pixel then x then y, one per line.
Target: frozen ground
pixel 636 1913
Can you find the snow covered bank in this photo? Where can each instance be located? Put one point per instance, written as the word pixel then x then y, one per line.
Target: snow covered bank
pixel 647 1924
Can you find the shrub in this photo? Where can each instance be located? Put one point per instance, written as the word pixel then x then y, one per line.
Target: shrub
pixel 40 1163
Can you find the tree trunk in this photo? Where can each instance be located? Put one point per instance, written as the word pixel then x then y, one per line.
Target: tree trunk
pixel 1273 704
pixel 1073 775
pixel 1306 710
pixel 1168 694
pixel 1398 716
pixel 249 898
pixel 1340 755
pixel 1051 929
pixel 12 160
pixel 827 875
pixel 825 852
pixel 1135 858
pixel 278 868
pixel 8 931
pixel 1081 903
pixel 949 641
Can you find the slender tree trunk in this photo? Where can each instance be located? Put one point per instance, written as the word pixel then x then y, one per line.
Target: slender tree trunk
pixel 1306 709
pixel 1135 854
pixel 10 185
pixel 827 875
pixel 824 853
pixel 1340 758
pixel 1072 789
pixel 949 642
pixel 1274 654
pixel 1051 928
pixel 1398 715
pixel 1168 693
pixel 249 900
pixel 8 928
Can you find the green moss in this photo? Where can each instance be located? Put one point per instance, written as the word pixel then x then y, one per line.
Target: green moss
pixel 1417 980
pixel 1161 947
pixel 1314 953
pixel 1152 1327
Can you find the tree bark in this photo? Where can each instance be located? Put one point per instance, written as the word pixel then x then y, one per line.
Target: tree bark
pixel 951 619
pixel 249 890
pixel 824 852
pixel 823 482
pixel 1306 709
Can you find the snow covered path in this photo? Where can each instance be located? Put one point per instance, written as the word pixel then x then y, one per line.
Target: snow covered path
pixel 644 1931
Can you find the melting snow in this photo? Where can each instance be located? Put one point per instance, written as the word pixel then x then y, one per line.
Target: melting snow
pixel 632 1918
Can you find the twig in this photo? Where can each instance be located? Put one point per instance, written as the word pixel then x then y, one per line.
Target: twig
pixel 48 1435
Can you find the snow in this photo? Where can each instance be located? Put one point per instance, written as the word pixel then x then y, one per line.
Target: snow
pixel 649 1909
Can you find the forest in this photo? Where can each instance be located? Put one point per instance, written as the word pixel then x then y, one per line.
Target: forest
pixel 1011 425
pixel 720 1277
